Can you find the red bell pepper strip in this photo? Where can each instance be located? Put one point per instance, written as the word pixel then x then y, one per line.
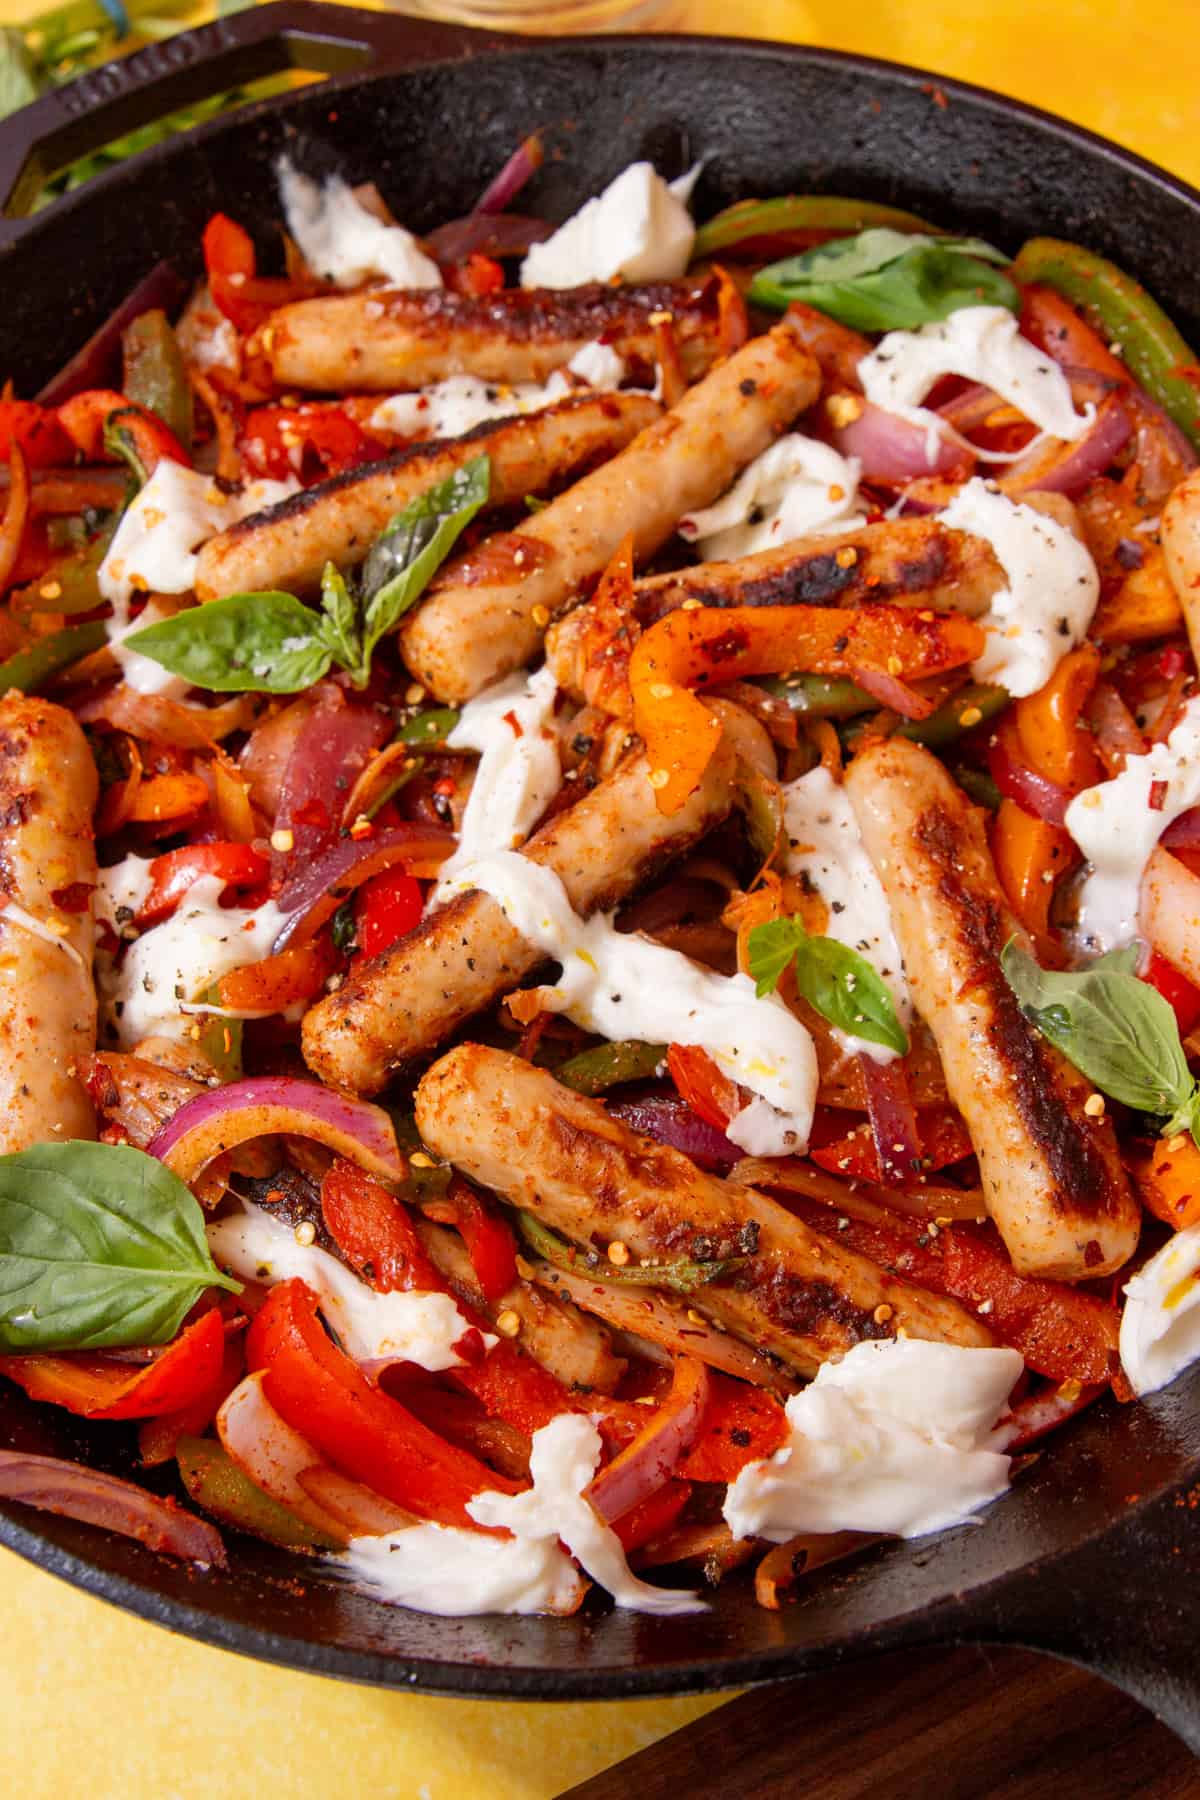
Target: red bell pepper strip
pixel 159 1437
pixel 476 275
pixel 740 1424
pixel 316 1388
pixel 171 875
pixel 712 1095
pixel 290 976
pixel 1052 323
pixel 36 431
pixel 943 1137
pixel 386 909
pixel 314 440
pixel 1176 990
pixel 652 1517
pixel 97 1388
pixel 86 417
pixel 487 1235
pixel 246 298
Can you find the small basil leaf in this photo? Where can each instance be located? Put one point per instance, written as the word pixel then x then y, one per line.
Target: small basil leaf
pixel 771 947
pixel 415 545
pixel 885 280
pixel 1115 1029
pixel 341 618
pixel 840 983
pixel 100 1246
pixel 268 643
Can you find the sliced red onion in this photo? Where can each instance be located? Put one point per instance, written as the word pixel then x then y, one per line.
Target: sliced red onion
pixel 273 1456
pixel 973 407
pixel 893 1120
pixel 670 1121
pixel 653 1457
pixel 894 449
pixel 520 169
pixel 1043 798
pixel 316 892
pixel 893 693
pixel 490 234
pixel 1183 833
pixel 219 1119
pixel 93 365
pixel 1055 467
pixel 331 750
pixel 95 1498
pixel 361 1511
pixel 1043 1411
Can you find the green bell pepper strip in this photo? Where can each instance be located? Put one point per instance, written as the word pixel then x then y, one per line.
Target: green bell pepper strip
pixel 824 213
pixel 979 785
pixel 1121 310
pixel 72 584
pixel 607 1065
pixel 948 723
pixel 820 696
pixel 427 1178
pixel 214 1481
pixel 155 375
pixel 683 1277
pixel 430 727
pixel 220 1040
pixel 28 669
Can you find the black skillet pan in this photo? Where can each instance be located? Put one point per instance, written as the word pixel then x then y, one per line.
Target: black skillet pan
pixel 1095 1555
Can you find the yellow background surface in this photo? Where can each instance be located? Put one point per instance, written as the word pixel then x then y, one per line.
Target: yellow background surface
pixel 94 1702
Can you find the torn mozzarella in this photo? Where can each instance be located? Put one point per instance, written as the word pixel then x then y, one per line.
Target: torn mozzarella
pixel 344 243
pixel 1160 1326
pixel 638 229
pixel 452 407
pixel 798 486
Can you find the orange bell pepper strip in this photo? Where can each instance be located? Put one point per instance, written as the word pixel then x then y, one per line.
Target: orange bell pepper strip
pixel 1052 739
pixel 98 1388
pixel 739 1425
pixel 711 1094
pixel 1053 324
pixel 1167 1177
pixel 487 1234
pixel 1031 856
pixel 158 1438
pixel 321 1393
pixel 172 796
pixel 86 417
pixel 278 981
pixel 246 298
pixel 652 1517
pixel 710 645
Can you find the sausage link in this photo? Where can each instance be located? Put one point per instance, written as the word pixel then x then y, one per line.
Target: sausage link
pixel 469 630
pixel 1181 546
pixel 1051 1173
pixel 288 545
pixel 48 791
pixel 798 1295
pixel 385 340
pixel 466 955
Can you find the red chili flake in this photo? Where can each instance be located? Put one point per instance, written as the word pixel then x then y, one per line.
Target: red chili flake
pixel 1158 795
pixel 445 785
pixel 470 1346
pixel 73 898
pixel 510 718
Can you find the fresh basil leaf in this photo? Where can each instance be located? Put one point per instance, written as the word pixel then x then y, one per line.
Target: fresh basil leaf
pixel 884 280
pixel 341 618
pixel 18 74
pixel 262 643
pixel 100 1246
pixel 840 983
pixel 1115 1029
pixel 771 947
pixel 417 542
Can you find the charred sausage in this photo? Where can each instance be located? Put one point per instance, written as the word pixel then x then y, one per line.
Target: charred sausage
pixel 475 625
pixel 1051 1172
pixel 390 339
pixel 288 545
pixel 562 1157
pixel 466 955
pixel 48 792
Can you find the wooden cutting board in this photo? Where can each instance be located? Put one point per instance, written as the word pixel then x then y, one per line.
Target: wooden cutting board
pixel 967 1724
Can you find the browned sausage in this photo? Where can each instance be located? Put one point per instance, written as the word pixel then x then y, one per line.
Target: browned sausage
pixel 1051 1173
pixel 552 1152
pixel 476 624
pixel 48 792
pixel 287 546
pixel 466 955
pixel 389 339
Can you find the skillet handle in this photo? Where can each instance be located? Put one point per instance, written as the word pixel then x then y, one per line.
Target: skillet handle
pixel 82 117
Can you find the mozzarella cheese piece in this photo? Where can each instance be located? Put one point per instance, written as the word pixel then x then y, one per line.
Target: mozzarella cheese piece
pixel 638 229
pixel 564 1457
pixel 622 985
pixel 373 1327
pixel 1051 590
pixel 457 1574
pixel 155 545
pixel 458 404
pixel 1160 1326
pixel 825 846
pixel 1116 827
pixel 796 487
pixel 519 773
pixel 344 243
pixel 173 964
pixel 895 1438
pixel 980 343
pixel 206 337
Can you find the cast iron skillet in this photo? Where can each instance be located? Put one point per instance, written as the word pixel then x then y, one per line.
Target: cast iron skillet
pixel 1093 1554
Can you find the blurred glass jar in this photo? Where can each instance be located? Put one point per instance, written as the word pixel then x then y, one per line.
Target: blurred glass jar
pixel 554 17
